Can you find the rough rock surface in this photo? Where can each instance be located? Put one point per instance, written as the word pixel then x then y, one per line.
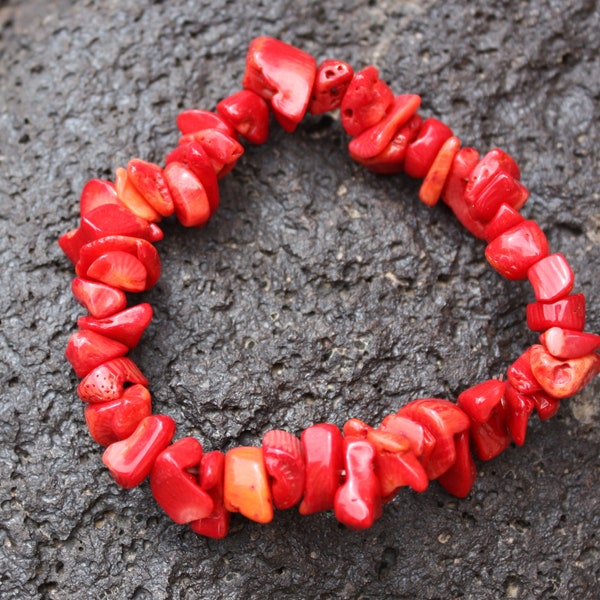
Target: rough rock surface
pixel 318 292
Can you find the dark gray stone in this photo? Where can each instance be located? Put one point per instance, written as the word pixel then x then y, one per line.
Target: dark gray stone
pixel 318 292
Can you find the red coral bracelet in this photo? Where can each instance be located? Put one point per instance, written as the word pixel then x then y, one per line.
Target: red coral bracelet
pixel 354 470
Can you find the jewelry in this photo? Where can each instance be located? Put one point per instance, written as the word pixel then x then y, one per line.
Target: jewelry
pixel 355 470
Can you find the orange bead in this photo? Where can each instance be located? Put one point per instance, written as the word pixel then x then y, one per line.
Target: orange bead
pixel 132 199
pixel 433 184
pixel 247 488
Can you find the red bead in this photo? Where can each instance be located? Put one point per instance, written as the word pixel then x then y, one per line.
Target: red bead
pixel 323 455
pixel 568 313
pixel 130 460
pixel 480 400
pixel 107 382
pixel 112 219
pixel 192 121
pixel 192 208
pixel 566 343
pixel 391 159
pixel 520 375
pixel 453 193
pixel 373 141
pixel 119 269
pixel 126 326
pixel 491 438
pixel 460 477
pixel 284 461
pixel 99 299
pixel 246 488
pixel 222 150
pixel 248 113
pixel 433 184
pixel 396 463
pixel 87 350
pixel 545 405
pixel 97 192
pixel 500 188
pixel 331 82
pixel 357 502
pixel 143 250
pixel 505 218
pixel 563 378
pixel 444 420
pixel 212 480
pixel 282 75
pixel 518 408
pixel 421 152
pixel 132 199
pixel 193 156
pixel 422 442
pixel 149 180
pixel 366 101
pixel 551 278
pixel 517 249
pixel 493 162
pixel 174 488
pixel 111 421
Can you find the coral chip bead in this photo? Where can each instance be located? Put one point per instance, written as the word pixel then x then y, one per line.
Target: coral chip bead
pixel 513 252
pixel 460 477
pixel 568 313
pixel 505 218
pixel 565 343
pixel 192 207
pixel 174 487
pixel 119 269
pixel 366 101
pixel 421 152
pixel 95 193
pixel 562 378
pixel 248 113
pixel 357 502
pixel 331 82
pixel 282 75
pixel 99 299
pixel 480 400
pixel 246 488
pixel 149 180
pixel 87 350
pixel 130 460
pixel 284 461
pixel 107 381
pixel 324 459
pixel 551 278
pixel 433 184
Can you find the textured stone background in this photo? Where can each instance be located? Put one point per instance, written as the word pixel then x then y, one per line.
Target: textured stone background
pixel 318 292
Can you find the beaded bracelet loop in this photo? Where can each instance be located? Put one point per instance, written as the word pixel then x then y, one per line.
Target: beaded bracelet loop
pixel 358 468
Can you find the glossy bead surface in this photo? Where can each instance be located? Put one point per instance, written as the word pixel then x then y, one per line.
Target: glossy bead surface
pixel 119 269
pixel 551 278
pixel 223 150
pixel 421 152
pixel 248 113
pixel 520 375
pixel 211 478
pixel 480 400
pixel 505 218
pixel 460 477
pixel 97 192
pixel 517 249
pixel 568 313
pixel 86 350
pixel 174 488
pixel 566 343
pixel 194 120
pixel 130 460
pixel 149 180
pixel 126 326
pixel 99 299
pixel 324 459
pixel 500 188
pixel 246 489
pixel 518 409
pixel 132 199
pixel 283 75
pixel 189 196
pixel 357 502
pixel 491 438
pixel 493 162
pixel 444 420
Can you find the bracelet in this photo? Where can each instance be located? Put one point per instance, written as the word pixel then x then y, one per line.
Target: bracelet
pixel 355 469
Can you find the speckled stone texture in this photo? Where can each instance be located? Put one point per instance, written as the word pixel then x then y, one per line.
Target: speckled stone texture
pixel 317 293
